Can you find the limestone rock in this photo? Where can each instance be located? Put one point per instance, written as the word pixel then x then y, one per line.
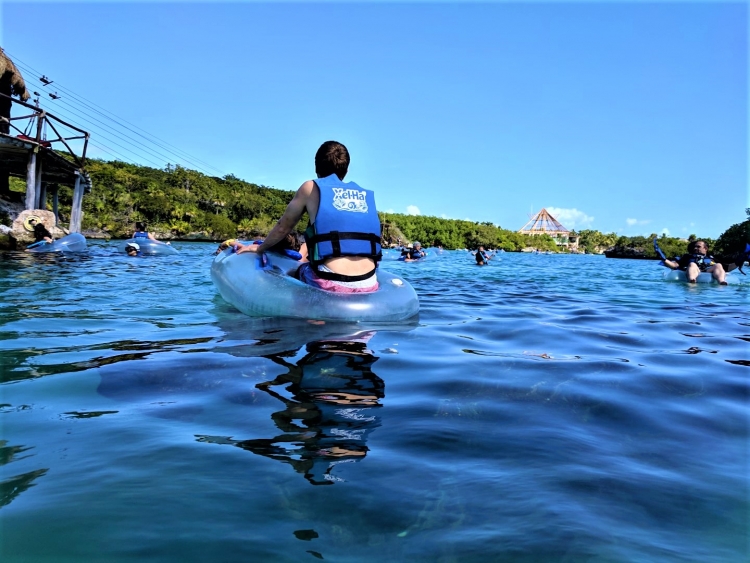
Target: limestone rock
pixel 22 229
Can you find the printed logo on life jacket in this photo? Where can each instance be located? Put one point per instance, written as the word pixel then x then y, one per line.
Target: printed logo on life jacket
pixel 350 200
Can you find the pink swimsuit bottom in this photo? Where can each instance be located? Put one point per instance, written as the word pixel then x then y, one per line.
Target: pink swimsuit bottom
pixel 307 275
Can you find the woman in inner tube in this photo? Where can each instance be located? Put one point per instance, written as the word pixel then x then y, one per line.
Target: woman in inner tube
pixel 343 236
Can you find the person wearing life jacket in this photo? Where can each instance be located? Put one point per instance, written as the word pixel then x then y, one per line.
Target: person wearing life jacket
pixel 698 260
pixel 343 235
pixel 415 253
pixel 482 256
pixel 142 232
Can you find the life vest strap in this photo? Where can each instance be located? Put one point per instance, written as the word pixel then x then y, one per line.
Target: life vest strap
pixel 334 237
pixel 341 277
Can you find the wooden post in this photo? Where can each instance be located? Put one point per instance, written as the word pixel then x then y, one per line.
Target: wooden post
pixel 31 181
pixel 55 201
pixel 39 188
pixel 42 195
pixel 4 183
pixel 75 210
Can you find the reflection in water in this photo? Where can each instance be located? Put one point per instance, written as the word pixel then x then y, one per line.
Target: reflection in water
pixel 329 397
pixel 11 488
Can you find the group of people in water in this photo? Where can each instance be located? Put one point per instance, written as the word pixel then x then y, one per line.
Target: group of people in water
pixel 413 252
pixel 341 247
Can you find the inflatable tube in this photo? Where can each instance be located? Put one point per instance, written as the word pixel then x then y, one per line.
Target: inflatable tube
pixel 271 292
pixel 149 247
pixel 403 259
pixel 679 276
pixel 74 242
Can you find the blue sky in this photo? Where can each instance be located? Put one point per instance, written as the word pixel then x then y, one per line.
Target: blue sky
pixel 628 117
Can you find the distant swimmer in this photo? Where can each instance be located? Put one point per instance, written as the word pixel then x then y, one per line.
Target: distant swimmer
pixel 141 231
pixel 482 256
pixel 415 253
pixel 133 249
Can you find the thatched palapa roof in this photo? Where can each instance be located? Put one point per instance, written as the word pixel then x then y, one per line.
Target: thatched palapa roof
pixel 543 223
pixel 11 81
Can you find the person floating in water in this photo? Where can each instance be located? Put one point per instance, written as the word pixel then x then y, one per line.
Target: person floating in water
pixel 293 245
pixel 141 232
pixel 343 235
pixel 698 260
pixel 482 256
pixel 226 244
pixel 42 234
pixel 133 249
pixel 414 253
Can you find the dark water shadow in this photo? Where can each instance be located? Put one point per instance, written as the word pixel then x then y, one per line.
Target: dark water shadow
pixel 14 486
pixel 330 398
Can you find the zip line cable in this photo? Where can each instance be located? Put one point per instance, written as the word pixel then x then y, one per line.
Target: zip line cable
pixel 185 157
pixel 190 160
pixel 136 147
pixel 88 119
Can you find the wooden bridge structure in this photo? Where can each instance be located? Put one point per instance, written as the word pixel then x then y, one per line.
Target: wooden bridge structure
pixel 42 154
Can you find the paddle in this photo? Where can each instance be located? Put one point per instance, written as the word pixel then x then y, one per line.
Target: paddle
pixel 660 253
pixel 37 244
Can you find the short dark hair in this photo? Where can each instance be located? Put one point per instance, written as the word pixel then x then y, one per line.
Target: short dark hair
pixel 140 226
pixel 332 158
pixel 40 231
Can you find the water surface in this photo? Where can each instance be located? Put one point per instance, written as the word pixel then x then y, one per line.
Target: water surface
pixel 542 408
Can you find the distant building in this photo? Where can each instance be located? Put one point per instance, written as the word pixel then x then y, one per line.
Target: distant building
pixel 543 223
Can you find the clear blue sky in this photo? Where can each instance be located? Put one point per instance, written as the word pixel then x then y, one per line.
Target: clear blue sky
pixel 628 117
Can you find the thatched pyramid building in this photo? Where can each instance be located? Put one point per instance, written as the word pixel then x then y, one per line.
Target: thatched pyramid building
pixel 543 223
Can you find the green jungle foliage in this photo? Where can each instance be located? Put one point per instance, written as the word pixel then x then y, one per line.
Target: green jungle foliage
pixel 730 243
pixel 452 234
pixel 178 203
pixel 734 239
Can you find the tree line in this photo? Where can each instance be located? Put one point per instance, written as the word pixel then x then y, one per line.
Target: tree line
pixel 182 204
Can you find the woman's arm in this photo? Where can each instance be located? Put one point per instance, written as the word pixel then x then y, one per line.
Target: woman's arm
pixel 242 248
pixel 290 218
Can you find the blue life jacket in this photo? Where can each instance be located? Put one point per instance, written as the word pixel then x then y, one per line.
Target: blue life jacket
pixel 702 261
pixel 140 234
pixel 347 224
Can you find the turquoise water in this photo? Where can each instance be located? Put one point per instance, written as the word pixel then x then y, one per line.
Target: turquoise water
pixel 543 408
